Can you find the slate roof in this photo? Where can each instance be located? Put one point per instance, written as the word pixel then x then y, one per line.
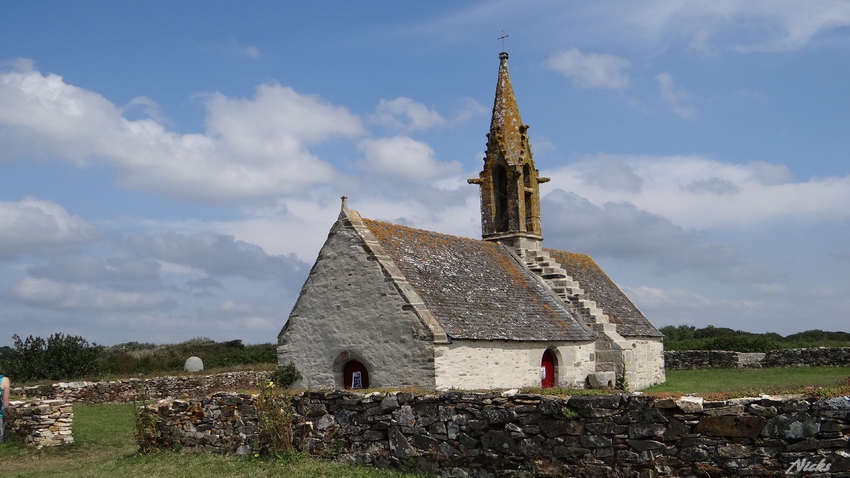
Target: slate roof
pixel 600 288
pixel 476 289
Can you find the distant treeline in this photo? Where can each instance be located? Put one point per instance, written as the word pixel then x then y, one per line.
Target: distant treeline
pixel 688 337
pixel 69 357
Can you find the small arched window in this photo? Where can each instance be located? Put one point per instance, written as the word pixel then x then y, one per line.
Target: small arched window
pixel 355 375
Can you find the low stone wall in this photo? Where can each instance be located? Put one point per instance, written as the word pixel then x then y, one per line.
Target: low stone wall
pixel 825 356
pixel 41 423
pixel 490 434
pixel 698 359
pixel 223 423
pixel 134 389
pixel 47 420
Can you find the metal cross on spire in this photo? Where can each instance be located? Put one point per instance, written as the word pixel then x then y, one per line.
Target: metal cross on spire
pixel 503 39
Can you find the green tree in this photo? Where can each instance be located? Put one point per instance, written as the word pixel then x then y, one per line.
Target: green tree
pixel 59 357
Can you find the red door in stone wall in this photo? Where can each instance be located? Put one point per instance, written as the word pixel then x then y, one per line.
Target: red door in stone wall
pixel 547 370
pixel 355 375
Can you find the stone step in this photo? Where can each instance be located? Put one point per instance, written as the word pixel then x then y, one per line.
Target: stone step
pixel 604 327
pixel 589 304
pixel 567 283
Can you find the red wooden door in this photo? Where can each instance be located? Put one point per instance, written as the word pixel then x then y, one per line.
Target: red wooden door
pixel 355 375
pixel 547 370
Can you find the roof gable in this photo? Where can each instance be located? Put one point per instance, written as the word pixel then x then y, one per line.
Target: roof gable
pixel 477 290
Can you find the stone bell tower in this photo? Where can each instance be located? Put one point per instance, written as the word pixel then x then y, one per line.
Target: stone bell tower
pixel 510 193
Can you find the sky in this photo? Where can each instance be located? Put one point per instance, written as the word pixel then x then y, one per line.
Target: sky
pixel 170 170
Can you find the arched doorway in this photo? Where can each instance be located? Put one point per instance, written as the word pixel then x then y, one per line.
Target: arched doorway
pixel 355 375
pixel 547 370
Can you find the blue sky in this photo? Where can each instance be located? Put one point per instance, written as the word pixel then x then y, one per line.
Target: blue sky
pixel 169 170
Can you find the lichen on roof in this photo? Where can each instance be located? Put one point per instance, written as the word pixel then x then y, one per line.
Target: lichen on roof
pixel 476 289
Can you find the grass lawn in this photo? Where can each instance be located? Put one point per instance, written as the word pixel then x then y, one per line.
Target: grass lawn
pixel 104 447
pixel 753 381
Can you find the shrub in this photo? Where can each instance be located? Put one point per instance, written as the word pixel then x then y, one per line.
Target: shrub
pixel 59 357
pixel 285 376
pixel 133 358
pixel 688 337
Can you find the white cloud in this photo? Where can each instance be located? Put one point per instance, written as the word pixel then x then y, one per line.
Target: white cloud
pixel 591 70
pixel 35 226
pixel 234 48
pixel 253 148
pixel 675 306
pixel 404 114
pixel 76 296
pixel 622 231
pixel 251 52
pixel 215 254
pixel 611 174
pixel 697 192
pixel 148 108
pixel 707 26
pixel 704 27
pixel 404 158
pixel 469 108
pixel 674 96
pixel 276 118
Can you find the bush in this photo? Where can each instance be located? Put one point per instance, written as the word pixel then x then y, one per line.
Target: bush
pixel 59 357
pixel 285 376
pixel 687 337
pixel 134 358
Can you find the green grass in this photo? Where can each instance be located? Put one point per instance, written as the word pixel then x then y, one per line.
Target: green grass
pixel 104 447
pixel 765 380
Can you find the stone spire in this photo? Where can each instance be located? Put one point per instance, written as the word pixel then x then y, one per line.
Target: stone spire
pixel 506 124
pixel 510 193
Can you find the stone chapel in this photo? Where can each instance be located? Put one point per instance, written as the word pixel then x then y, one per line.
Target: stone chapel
pixel 389 306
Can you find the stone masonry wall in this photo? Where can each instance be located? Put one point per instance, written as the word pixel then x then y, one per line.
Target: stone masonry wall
pixel 471 362
pixel 366 318
pixel 460 434
pixel 696 359
pixel 41 423
pixel 649 362
pixel 128 390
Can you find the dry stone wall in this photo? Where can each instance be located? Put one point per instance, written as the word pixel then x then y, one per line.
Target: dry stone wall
pixel 698 359
pixel 828 356
pixel 459 434
pixel 41 423
pixel 223 423
pixel 47 419
pixel 134 389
